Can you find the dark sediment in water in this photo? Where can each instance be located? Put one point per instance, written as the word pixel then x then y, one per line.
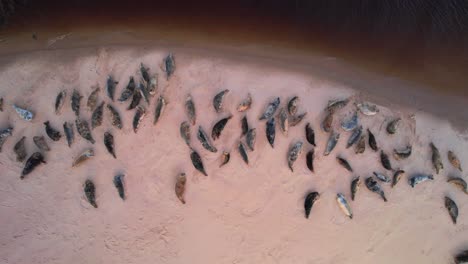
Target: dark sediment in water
pixel 420 40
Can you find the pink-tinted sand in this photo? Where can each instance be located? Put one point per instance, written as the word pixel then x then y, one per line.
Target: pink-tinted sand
pixel 239 213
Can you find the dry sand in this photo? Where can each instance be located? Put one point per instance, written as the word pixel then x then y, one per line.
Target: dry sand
pixel 239 213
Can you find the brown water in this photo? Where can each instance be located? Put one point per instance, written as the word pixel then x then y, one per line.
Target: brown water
pixel 411 45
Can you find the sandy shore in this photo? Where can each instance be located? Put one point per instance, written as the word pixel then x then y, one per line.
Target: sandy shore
pixel 239 213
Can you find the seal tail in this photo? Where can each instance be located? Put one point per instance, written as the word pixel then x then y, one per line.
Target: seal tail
pixel 383 196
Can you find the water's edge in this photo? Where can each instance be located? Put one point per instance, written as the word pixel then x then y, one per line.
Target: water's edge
pixel 383 89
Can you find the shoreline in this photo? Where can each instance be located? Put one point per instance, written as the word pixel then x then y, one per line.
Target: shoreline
pixel 388 90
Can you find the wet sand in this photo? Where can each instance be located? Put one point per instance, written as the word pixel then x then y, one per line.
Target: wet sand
pixel 239 213
pixel 441 92
pixel 394 40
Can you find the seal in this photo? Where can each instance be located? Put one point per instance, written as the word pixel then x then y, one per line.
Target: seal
pixel 310 160
pixel 23 113
pixel 355 185
pixel 197 162
pixel 109 143
pixel 292 105
pixel 33 161
pixel 310 134
pixel 296 119
pixel 139 115
pixel 205 141
pixel 96 117
pixel 436 160
pixel 385 160
pixel 244 126
pixel 458 182
pixel 331 143
pixel 250 138
pixel 69 134
pixel 309 201
pixel 351 123
pixel 219 127
pixel 243 152
pixel 76 101
pixel 218 100
pixel 180 187
pixel 41 143
pixel 452 209
pixel 294 152
pixel 185 132
pixel 20 150
pixel 382 177
pixel 418 178
pixel 144 92
pixel 367 108
pixel 361 145
pixel 393 126
pixel 373 186
pixel 270 109
pixel 160 106
pixel 344 206
pixel 225 157
pixel 128 91
pixel 404 153
pixel 283 121
pixel 116 121
pixel 4 134
pixel 372 141
pixel 92 99
pixel 344 163
pixel 52 132
pixel 144 73
pixel 136 98
pixel 453 159
pixel 118 183
pixel 327 122
pixel 461 258
pixel 396 177
pixel 59 101
pixel 271 131
pixel 90 192
pixel 245 104
pixel 190 110
pixel 169 65
pixel 83 129
pixel 110 87
pixel 357 132
pixel 87 154
pixel 334 105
